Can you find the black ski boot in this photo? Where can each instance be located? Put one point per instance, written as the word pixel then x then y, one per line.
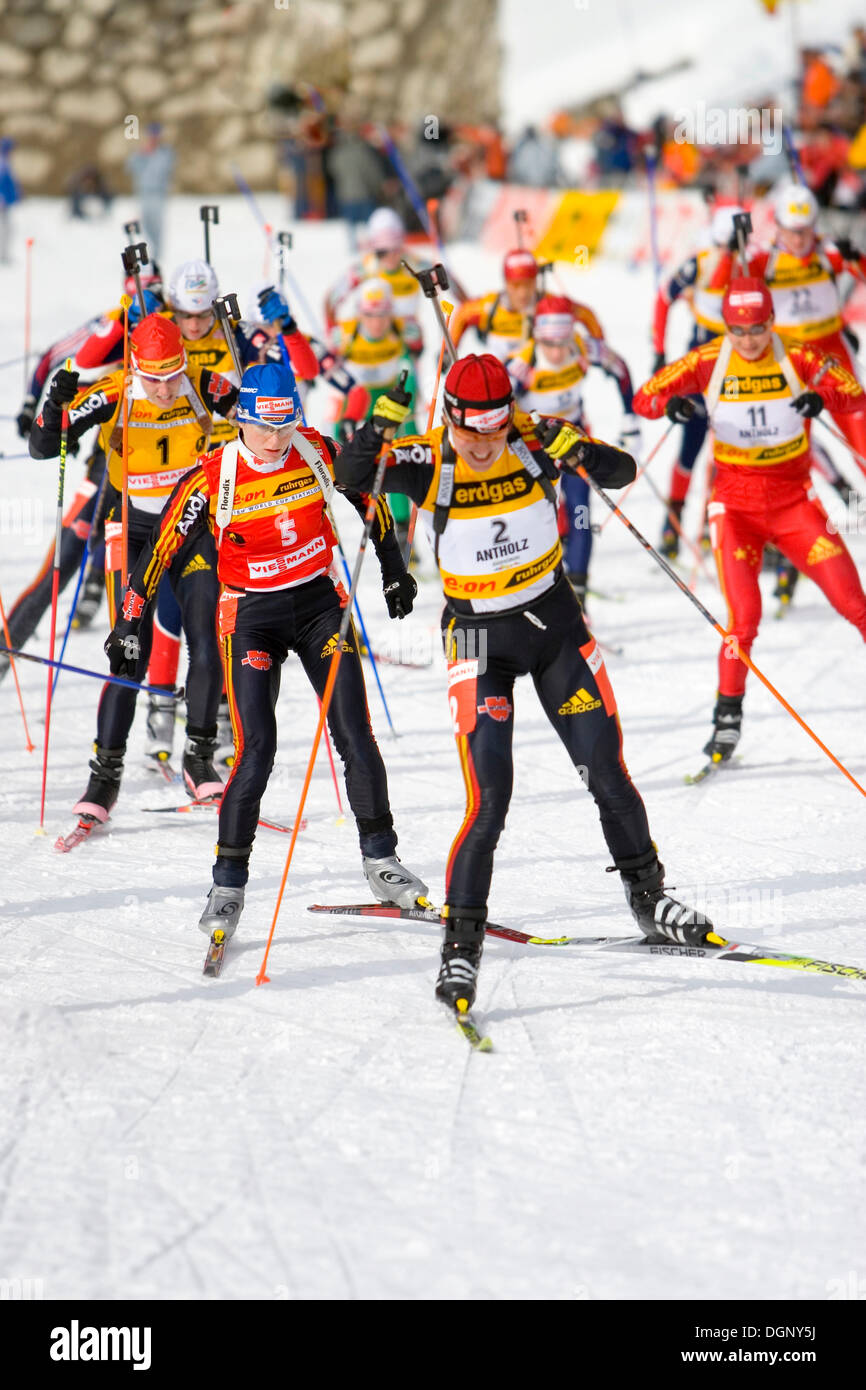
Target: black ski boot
pixel 201 777
pixel 659 916
pixel 106 770
pixel 727 719
pixel 462 946
pixel 670 541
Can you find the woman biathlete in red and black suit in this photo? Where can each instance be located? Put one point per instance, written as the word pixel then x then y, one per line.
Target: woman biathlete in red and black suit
pixel 264 495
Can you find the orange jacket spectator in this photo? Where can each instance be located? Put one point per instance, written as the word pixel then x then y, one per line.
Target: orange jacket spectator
pixel 820 83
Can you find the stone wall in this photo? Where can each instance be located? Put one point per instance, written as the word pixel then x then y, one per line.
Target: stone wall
pixel 73 73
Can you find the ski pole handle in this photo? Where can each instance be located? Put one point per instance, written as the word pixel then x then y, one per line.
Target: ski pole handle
pixel 210 215
pixel 431 281
pixel 134 257
pixel 226 309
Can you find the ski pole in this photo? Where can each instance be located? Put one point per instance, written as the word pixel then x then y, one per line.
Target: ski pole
pixel 642 469
pixel 653 211
pixel 28 296
pixel 743 230
pixel 297 292
pixel 126 304
pixel 55 589
pixel 413 519
pixel 698 561
pixel 726 636
pixel 134 257
pixel 837 434
pixel 793 156
pixel 341 819
pixel 82 570
pixel 28 742
pixel 226 309
pixel 210 215
pixel 96 675
pixel 368 644
pixel 436 278
pixel 521 217
pixel 262 978
pixel 433 213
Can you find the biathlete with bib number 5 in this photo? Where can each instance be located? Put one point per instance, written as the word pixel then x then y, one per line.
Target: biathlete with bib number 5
pixel 265 497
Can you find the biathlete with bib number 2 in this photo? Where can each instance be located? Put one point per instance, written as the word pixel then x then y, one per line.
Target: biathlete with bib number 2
pixel 487 494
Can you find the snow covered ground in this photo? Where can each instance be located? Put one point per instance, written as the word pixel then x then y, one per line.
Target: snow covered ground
pixel 657 1128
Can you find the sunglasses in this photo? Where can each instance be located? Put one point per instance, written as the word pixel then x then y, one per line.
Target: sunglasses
pixel 751 330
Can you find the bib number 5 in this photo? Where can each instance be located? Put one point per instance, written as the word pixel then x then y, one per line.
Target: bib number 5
pixel 286 527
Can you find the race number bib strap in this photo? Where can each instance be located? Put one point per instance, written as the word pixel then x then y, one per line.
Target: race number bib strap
pixel 445 490
pixel 227 612
pixel 226 490
pixel 310 454
pixel 594 660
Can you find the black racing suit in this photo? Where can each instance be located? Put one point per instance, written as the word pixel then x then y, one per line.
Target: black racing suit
pixel 546 638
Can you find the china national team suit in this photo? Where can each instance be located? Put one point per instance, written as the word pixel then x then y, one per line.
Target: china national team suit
pixel 763 491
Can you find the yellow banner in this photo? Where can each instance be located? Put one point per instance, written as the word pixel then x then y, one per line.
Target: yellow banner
pixel 576 227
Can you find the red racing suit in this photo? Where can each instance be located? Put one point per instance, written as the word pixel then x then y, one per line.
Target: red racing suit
pixel 762 489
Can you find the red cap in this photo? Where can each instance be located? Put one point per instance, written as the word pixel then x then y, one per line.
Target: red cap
pixel 554 319
pixel 156 347
pixel 747 301
pixel 520 265
pixel 478 393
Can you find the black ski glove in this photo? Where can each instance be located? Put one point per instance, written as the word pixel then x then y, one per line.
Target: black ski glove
pixel 400 594
pixel 846 248
pixel 64 387
pixel 26 416
pixel 566 444
pixel 392 409
pixel 680 409
pixel 123 649
pixel 808 404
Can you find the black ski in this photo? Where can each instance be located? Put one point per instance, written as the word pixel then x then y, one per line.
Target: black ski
pixel 430 914
pixel 740 951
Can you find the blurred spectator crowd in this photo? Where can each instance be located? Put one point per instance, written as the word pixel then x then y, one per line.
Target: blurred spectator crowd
pixel 335 163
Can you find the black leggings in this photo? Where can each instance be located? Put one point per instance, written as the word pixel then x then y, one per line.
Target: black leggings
pixel 193 578
pixel 548 640
pixel 260 629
